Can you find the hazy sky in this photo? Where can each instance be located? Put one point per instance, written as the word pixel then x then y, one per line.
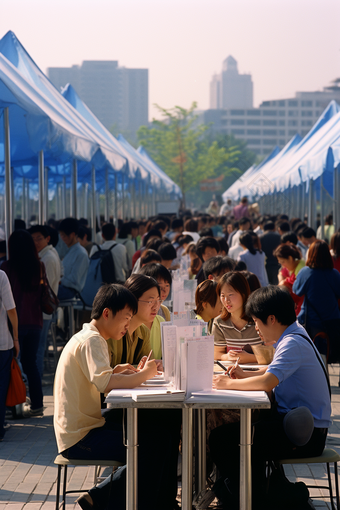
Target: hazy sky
pixel 287 45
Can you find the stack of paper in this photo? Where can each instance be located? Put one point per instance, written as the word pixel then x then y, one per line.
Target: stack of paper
pixel 145 395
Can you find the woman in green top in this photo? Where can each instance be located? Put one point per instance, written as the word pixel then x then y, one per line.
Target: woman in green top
pixel 136 342
pixel 208 303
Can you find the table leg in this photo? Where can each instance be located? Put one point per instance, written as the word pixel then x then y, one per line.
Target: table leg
pixel 131 459
pixel 245 459
pixel 187 452
pixel 201 455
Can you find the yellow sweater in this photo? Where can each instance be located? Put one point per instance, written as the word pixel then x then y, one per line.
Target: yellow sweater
pixel 130 349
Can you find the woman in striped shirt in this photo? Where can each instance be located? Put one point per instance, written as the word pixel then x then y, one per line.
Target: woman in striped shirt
pixel 233 329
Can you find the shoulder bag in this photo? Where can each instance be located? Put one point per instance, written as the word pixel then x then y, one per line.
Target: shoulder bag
pixel 49 301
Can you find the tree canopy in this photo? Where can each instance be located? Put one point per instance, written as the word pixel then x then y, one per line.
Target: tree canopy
pixel 179 145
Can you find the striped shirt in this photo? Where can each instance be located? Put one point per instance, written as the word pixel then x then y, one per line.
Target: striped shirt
pixel 226 334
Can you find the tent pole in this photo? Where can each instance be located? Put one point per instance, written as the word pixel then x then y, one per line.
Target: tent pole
pixel 46 194
pixel 41 187
pixel 8 194
pixel 27 193
pixel 86 199
pixel 93 203
pixel 23 199
pixel 123 197
pixel 140 199
pixel 322 208
pixel 74 189
pixel 64 198
pixel 133 194
pixel 107 195
pixel 116 200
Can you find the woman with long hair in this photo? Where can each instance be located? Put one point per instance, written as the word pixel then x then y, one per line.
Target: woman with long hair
pixel 24 271
pixel 335 250
pixel 289 257
pixel 253 256
pixel 233 329
pixel 208 303
pixel 319 283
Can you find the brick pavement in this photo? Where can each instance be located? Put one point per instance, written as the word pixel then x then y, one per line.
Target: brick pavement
pixel 28 475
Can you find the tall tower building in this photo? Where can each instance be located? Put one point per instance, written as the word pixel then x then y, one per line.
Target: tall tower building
pixel 116 95
pixel 231 89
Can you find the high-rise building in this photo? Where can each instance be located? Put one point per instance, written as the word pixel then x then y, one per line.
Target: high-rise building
pixel 116 95
pixel 231 89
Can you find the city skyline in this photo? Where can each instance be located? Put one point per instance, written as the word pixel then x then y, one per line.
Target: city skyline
pixel 286 46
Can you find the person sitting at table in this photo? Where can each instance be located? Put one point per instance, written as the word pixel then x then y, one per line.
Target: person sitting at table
pixel 136 342
pixel 234 329
pixel 208 303
pixel 164 280
pixel 83 432
pixel 297 378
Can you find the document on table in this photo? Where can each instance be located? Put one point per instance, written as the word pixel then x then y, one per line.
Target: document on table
pixel 145 395
pixel 169 341
pixel 194 329
pixel 199 362
pixel 234 397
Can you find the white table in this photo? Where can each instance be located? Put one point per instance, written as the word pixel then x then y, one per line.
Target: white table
pixel 245 403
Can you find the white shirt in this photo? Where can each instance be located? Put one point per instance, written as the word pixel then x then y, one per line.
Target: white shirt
pixel 51 260
pixel 119 257
pixel 6 303
pixel 234 252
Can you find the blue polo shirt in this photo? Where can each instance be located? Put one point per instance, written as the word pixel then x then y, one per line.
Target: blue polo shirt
pixel 302 381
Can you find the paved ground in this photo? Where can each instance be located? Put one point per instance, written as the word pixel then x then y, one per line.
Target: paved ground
pixel 28 475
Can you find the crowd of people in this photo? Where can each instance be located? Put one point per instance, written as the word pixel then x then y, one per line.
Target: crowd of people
pixel 256 275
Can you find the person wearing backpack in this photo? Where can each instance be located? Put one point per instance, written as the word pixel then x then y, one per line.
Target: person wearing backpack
pixel 118 252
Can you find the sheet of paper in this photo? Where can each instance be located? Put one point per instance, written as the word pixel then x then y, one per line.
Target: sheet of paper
pixel 230 396
pixel 169 343
pixel 200 364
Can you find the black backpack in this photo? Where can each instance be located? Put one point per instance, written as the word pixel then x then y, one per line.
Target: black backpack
pixel 101 270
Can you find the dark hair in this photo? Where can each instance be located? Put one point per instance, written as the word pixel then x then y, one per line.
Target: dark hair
pixel 108 231
pixel 252 279
pixel 206 242
pixel 85 231
pixel 2 246
pixel 167 251
pixel 240 266
pixel 289 237
pixel 269 226
pixel 206 232
pixel 115 297
pixel 156 271
pixel 124 230
pixel 216 265
pixel 272 300
pixel 244 221
pixel 284 251
pixel 184 239
pixel 153 244
pixel 284 226
pixel 24 260
pixel 246 240
pixel 319 256
pixel 335 244
pixel 308 232
pixel 222 243
pixel 191 225
pixel 176 223
pixel 150 256
pixel 54 237
pixel 69 226
pixel 19 224
pixel 140 283
pixel 160 225
pixel 206 292
pixel 238 282
pixel 152 233
pixel 39 229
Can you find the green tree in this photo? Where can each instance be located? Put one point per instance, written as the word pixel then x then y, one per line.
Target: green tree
pixel 178 145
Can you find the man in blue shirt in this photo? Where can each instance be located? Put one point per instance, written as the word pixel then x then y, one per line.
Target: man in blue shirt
pixel 295 377
pixel 75 262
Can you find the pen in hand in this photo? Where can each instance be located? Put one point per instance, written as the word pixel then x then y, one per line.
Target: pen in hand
pixel 148 358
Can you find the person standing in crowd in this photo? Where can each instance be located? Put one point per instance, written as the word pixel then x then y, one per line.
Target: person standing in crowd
pixel 75 262
pixel 234 329
pixel 206 248
pixel 118 251
pixel 50 258
pixel 241 210
pixel 253 256
pixel 226 208
pixel 244 225
pixel 7 342
pixel 270 240
pixel 24 271
pixel 335 250
pixel 328 229
pixel 319 283
pixel 289 257
pixel 124 239
pixel 85 238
